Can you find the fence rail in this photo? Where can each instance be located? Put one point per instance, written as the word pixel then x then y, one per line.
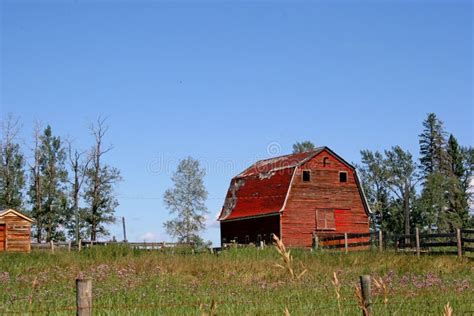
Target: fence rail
pixel 462 240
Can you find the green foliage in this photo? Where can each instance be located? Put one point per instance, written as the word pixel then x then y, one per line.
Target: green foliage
pixel 389 182
pixel 301 147
pixel 100 183
pixel 186 200
pixel 433 155
pixel 12 162
pixel 49 187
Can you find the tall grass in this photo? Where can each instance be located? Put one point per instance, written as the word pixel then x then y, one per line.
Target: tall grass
pixel 236 282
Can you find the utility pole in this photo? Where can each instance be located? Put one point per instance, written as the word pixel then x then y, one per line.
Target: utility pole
pixel 124 231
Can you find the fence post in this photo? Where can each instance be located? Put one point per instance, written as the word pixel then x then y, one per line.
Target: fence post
pixel 83 297
pixel 346 246
pixel 417 236
pixel 69 246
pixel 459 242
pixel 261 244
pixel 51 243
pixel 79 245
pixel 380 241
pixel 366 295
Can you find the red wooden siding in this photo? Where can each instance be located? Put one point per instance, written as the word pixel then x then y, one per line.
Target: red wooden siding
pixel 2 237
pixel 323 191
pixel 16 233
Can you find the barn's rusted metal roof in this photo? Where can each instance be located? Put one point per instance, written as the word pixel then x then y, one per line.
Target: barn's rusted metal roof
pixel 262 188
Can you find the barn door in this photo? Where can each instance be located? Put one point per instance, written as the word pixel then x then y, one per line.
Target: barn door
pixel 2 237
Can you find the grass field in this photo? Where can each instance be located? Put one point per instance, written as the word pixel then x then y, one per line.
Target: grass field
pixel 237 282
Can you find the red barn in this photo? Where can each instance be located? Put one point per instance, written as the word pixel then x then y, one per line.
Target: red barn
pixel 294 196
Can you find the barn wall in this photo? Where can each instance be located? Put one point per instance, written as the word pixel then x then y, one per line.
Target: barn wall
pixel 18 232
pixel 265 226
pixel 324 191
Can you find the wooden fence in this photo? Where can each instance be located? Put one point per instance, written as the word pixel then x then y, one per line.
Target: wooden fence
pixel 458 242
pixel 54 245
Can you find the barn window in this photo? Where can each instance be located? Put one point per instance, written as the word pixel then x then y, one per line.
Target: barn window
pixel 306 176
pixel 325 219
pixel 342 176
pixel 325 161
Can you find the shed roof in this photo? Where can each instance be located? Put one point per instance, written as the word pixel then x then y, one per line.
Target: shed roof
pixel 262 189
pixel 9 211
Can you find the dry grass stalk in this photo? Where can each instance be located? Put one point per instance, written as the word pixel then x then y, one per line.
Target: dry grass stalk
pixel 448 310
pixel 212 309
pixel 287 260
pixel 360 300
pixel 337 287
pixel 381 285
pixel 34 285
pixel 287 312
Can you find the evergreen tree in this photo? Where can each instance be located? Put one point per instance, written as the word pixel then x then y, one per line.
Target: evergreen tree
pixel 53 177
pixel 303 147
pixel 456 158
pixel 100 181
pixel 186 200
pixel 12 175
pixel 433 156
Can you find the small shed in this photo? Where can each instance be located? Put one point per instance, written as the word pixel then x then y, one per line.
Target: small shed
pixel 15 231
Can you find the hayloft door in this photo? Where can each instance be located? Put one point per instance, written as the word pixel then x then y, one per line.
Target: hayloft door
pixel 325 219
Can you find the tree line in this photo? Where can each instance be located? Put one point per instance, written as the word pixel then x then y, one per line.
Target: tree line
pixel 431 194
pixel 69 192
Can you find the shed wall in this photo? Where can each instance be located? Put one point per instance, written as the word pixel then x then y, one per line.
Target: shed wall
pixel 17 233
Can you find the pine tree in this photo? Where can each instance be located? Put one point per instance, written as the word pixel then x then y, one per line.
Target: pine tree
pixel 186 200
pixel 100 181
pixel 303 147
pixel 53 177
pixel 433 155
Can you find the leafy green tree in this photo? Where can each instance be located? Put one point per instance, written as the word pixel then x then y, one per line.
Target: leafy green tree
pixel 302 147
pixel 100 182
pixel 187 201
pixel 374 181
pixel 12 162
pixel 402 178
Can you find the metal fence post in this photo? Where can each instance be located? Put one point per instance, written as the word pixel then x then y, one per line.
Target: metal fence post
pixel 83 297
pixel 459 242
pixel 366 295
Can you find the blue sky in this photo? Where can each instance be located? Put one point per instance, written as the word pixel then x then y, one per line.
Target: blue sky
pixel 228 82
